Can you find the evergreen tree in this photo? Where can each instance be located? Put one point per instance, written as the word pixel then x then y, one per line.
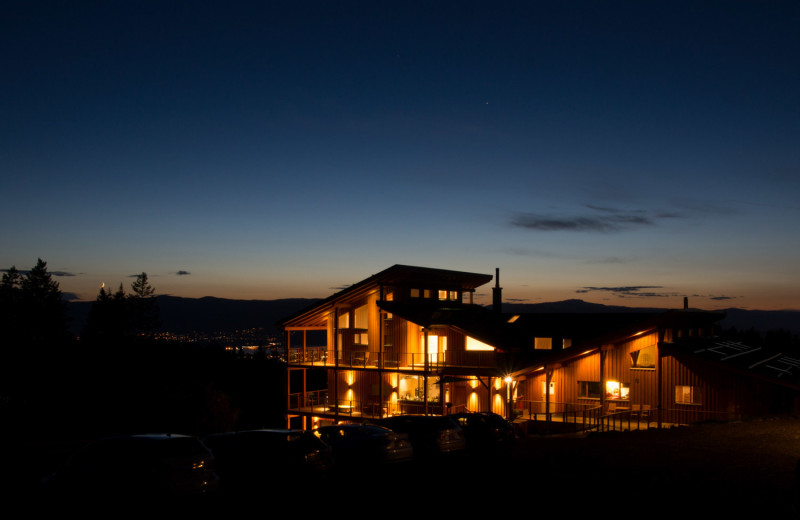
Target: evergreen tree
pixel 143 306
pixel 43 308
pixel 10 306
pixel 108 320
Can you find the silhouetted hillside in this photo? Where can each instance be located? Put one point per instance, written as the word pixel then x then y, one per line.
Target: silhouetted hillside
pixel 573 306
pixel 762 321
pixel 180 315
pixel 208 314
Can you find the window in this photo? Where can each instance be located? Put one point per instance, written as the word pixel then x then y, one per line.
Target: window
pixel 589 389
pixel 412 388
pixel 685 394
pixel 566 343
pixel 474 344
pixel 344 320
pixel 427 293
pixel 644 359
pixel 453 295
pixel 442 295
pixel 543 343
pixel 415 293
pixel 617 390
pixel 437 345
pixel 362 317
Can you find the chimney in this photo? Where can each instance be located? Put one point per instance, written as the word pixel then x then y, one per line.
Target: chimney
pixel 497 292
pixel 685 302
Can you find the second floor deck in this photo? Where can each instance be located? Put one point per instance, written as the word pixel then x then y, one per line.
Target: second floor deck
pixel 323 357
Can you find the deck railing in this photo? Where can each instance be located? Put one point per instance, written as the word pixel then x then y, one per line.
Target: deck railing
pixel 324 357
pixel 613 417
pixel 320 403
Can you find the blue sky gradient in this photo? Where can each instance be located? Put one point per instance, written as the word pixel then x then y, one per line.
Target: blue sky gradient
pixel 283 149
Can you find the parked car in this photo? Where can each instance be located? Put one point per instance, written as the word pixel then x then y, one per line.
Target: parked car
pixel 485 430
pixel 429 434
pixel 136 466
pixel 252 458
pixel 355 444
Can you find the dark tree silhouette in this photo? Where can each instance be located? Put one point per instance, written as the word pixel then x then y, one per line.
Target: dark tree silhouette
pixel 40 309
pixel 108 320
pixel 10 306
pixel 143 306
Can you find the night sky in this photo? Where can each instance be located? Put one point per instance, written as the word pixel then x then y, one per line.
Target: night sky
pixel 625 153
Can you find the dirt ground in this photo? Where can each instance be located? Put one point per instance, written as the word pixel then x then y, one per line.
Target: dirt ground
pixel 696 471
pixel 702 471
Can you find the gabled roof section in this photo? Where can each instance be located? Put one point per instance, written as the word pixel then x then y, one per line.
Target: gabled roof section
pixel 393 276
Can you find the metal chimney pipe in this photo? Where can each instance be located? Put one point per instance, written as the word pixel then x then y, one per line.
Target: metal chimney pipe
pixel 497 292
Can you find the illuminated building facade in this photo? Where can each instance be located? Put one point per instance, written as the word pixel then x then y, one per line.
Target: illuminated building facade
pixel 410 340
pixel 401 341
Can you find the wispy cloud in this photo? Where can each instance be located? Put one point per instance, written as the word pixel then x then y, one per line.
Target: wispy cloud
pixel 606 260
pixel 183 273
pixel 630 291
pixel 24 272
pixel 599 219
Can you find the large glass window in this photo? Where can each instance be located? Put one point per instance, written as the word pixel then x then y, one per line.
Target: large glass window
pixel 474 344
pixel 412 388
pixel 644 359
pixel 617 390
pixel 589 389
pixel 685 394
pixel 362 317
pixel 344 320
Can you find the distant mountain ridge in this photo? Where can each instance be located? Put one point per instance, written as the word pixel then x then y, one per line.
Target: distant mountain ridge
pixel 209 314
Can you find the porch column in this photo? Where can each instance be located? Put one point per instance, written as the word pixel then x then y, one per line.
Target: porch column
pixel 304 395
pixel 425 374
pixel 659 378
pixel 602 383
pixel 380 358
pixel 548 380
pixel 335 365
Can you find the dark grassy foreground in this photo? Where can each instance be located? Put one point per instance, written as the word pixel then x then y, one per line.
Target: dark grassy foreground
pixel 696 472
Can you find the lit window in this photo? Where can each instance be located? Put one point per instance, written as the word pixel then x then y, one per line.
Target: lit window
pixel 454 295
pixel 389 296
pixel 513 318
pixel 566 343
pixel 442 295
pixel 344 320
pixel 644 359
pixel 543 343
pixel 474 344
pixel 362 317
pixel 415 293
pixel 427 293
pixel 617 390
pixel 685 394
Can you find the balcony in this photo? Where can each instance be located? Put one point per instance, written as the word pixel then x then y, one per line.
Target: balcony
pixel 318 403
pixel 322 357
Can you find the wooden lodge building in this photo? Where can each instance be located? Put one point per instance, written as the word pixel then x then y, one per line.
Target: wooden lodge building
pixel 410 340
